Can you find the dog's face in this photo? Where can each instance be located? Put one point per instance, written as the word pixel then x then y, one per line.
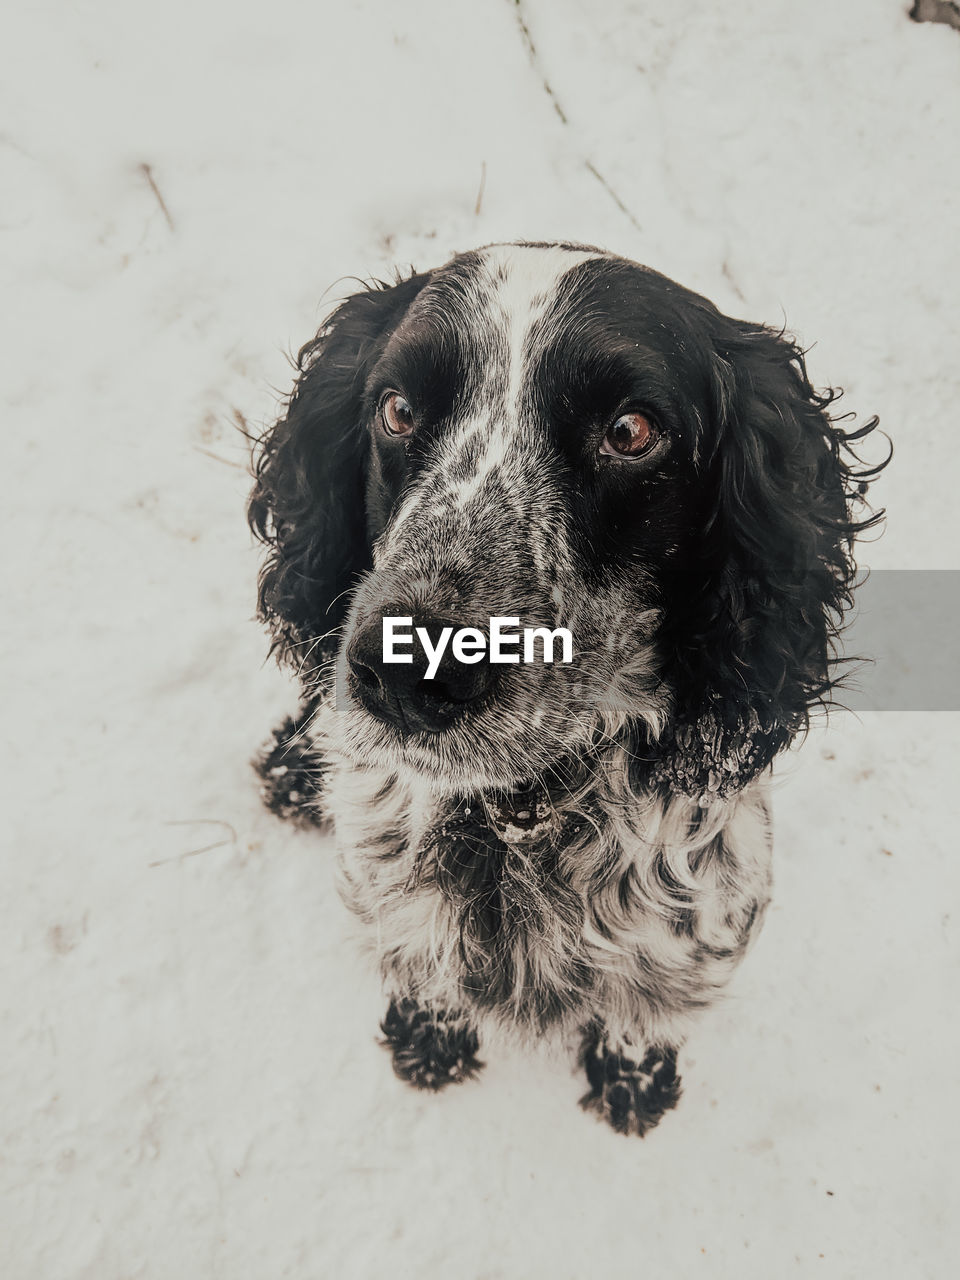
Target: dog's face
pixel 559 436
pixel 530 427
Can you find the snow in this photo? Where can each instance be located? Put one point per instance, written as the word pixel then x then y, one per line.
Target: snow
pixel 189 1082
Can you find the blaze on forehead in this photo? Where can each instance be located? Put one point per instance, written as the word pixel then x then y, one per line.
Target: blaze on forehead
pixel 466 327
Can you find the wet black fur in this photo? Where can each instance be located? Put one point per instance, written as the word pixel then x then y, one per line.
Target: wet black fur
pixel 749 531
pixel 308 501
pixel 429 1050
pixel 291 782
pixel 630 1094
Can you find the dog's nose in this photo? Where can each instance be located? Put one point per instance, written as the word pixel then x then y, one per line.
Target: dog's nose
pixel 401 694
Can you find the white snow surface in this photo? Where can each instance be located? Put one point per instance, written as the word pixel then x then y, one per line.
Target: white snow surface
pixel 189 1080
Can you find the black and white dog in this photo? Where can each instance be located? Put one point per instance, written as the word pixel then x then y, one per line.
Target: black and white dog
pixel 558 435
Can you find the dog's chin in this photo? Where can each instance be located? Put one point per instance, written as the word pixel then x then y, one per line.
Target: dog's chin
pixel 456 780
pixel 451 762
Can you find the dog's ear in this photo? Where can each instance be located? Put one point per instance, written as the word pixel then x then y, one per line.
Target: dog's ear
pixel 756 611
pixel 307 503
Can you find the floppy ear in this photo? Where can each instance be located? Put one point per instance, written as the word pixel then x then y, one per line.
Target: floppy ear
pixel 754 616
pixel 307 504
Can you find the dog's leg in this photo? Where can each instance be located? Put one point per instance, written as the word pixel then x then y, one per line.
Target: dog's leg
pixel 430 1048
pixel 631 1085
pixel 290 769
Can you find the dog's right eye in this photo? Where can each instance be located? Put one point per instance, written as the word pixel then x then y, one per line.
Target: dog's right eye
pixel 396 415
pixel 631 436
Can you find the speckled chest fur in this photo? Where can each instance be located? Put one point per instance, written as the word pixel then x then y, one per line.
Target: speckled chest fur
pixel 537 910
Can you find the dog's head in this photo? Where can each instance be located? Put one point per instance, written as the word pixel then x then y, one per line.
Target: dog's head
pixel 557 435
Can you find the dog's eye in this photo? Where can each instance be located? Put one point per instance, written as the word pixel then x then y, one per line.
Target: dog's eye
pixel 630 436
pixel 396 415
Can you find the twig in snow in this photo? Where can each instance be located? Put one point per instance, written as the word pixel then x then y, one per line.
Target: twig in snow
pixel 729 277
pixel 548 90
pixel 611 193
pixel 148 174
pixel 535 61
pixel 198 822
pixel 191 853
pixel 227 462
pixel 483 183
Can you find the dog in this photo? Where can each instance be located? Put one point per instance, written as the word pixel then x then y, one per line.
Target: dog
pixel 555 435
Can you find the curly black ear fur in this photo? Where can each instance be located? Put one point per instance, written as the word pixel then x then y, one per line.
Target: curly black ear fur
pixel 307 503
pixel 759 607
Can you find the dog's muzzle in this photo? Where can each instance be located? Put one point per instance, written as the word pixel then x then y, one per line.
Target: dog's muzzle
pixel 399 693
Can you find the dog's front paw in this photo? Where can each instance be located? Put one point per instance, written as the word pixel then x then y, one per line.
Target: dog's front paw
pixel 430 1049
pixel 630 1095
pixel 290 774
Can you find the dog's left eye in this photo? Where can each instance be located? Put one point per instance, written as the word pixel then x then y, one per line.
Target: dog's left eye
pixel 396 415
pixel 632 435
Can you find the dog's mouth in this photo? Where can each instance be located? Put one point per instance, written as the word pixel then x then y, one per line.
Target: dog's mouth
pixel 523 814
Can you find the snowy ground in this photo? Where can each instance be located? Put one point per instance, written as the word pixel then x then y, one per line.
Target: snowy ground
pixel 188 1079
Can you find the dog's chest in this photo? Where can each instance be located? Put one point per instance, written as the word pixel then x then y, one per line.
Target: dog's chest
pixel 464 907
pixel 533 928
